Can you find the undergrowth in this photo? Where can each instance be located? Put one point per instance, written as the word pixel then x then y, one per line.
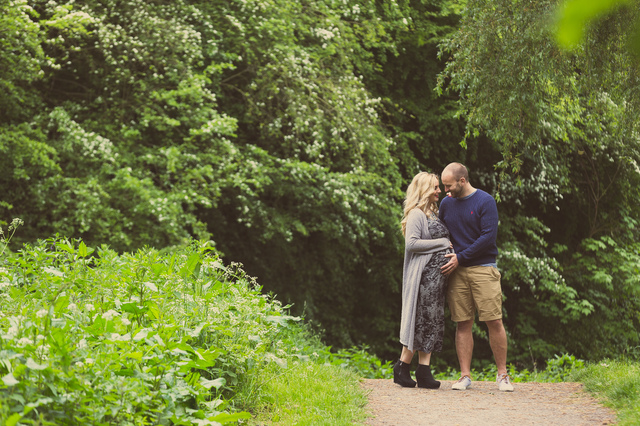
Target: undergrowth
pixel 558 369
pixel 98 338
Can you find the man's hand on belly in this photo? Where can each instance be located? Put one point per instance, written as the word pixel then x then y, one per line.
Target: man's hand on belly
pixel 451 265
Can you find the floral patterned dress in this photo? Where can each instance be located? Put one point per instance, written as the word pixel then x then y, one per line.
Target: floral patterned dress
pixel 429 330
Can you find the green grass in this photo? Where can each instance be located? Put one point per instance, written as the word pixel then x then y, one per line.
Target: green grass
pixel 617 383
pixel 312 394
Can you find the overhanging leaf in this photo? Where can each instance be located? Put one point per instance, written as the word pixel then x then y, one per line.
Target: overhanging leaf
pixel 574 15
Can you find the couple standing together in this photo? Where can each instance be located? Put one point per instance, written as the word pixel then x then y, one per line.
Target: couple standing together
pixel 449 250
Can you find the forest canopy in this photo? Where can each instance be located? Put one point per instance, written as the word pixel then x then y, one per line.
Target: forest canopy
pixel 286 132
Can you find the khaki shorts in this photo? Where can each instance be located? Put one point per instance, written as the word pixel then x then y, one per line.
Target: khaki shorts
pixel 475 288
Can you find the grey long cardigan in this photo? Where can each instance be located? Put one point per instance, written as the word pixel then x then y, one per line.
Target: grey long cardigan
pixel 418 248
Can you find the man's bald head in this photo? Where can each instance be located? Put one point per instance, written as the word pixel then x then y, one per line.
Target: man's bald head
pixel 457 171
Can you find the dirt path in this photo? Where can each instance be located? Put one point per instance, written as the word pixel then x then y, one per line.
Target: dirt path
pixel 530 404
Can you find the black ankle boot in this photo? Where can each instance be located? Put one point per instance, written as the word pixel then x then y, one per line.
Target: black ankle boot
pixel 425 378
pixel 402 376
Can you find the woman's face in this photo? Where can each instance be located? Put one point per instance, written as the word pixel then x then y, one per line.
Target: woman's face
pixel 436 193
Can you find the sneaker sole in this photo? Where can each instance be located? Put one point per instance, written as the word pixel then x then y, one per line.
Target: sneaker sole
pixel 460 388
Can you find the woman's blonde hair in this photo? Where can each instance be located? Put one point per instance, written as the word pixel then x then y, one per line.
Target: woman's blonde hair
pixel 418 196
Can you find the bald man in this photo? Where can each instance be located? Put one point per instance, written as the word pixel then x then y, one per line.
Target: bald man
pixel 474 280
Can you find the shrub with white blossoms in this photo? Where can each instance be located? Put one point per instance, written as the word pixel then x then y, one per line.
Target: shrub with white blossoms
pixel 112 348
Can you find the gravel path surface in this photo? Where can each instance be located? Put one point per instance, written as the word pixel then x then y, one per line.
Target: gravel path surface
pixel 482 404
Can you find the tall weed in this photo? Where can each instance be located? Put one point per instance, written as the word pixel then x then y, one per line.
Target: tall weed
pixel 11 230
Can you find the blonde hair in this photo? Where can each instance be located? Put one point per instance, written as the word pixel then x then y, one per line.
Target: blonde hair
pixel 418 197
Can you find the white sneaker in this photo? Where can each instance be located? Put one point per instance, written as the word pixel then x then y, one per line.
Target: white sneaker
pixel 504 383
pixel 463 383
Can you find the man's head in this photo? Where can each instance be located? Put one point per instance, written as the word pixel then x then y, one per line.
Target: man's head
pixel 455 179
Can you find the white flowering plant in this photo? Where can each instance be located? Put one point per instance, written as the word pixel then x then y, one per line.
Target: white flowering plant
pixel 96 337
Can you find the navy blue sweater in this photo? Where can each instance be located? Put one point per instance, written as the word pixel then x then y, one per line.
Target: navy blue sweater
pixel 473 224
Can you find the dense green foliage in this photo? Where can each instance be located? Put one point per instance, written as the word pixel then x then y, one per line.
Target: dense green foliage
pixel 93 337
pixel 566 124
pixel 285 132
pixel 246 122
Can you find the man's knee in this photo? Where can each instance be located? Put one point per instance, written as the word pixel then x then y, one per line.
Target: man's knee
pixel 464 326
pixel 495 326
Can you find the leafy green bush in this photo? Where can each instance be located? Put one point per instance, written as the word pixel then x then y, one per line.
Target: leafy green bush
pixel 92 337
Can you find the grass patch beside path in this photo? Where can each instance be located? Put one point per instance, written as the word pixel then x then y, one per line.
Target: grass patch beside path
pixel 309 393
pixel 617 383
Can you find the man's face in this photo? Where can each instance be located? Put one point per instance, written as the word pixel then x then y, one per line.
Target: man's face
pixel 451 186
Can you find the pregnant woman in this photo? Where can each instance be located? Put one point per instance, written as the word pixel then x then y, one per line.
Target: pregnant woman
pixel 423 284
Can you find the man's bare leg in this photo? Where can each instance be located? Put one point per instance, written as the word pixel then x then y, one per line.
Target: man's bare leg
pixel 464 346
pixel 498 341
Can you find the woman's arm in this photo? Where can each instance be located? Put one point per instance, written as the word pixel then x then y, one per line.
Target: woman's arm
pixel 413 236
